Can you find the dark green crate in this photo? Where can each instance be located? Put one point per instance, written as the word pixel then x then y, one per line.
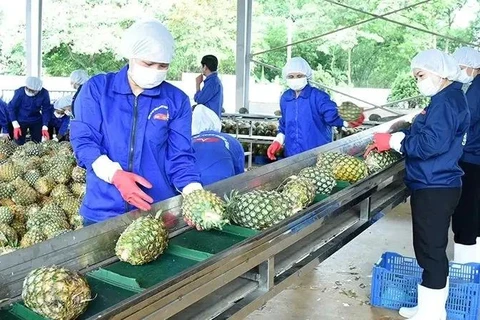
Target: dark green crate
pixel 212 241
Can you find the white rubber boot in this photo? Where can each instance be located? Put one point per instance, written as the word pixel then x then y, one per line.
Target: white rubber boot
pixel 464 254
pixel 411 312
pixel 431 304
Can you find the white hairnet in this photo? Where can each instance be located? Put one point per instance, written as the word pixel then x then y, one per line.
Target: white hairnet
pixel 65 101
pixel 204 119
pixel 79 77
pixel 437 62
pixel 468 57
pixel 148 40
pixel 297 64
pixel 34 83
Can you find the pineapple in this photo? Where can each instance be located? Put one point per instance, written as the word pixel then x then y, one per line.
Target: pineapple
pixel 53 212
pixel 8 235
pixel 78 189
pixel 71 206
pixel 24 194
pixel 204 209
pixel 76 221
pixel 52 228
pixel 32 237
pixel 6 190
pixel 300 191
pixel 19 227
pixel 37 221
pixel 59 233
pixel 377 161
pixel 6 149
pixel 324 180
pixel 258 209
pixel 44 185
pixel 349 169
pixel 10 171
pixel 61 173
pixel 60 193
pixel 142 241
pixel 325 160
pixel 56 293
pixel 79 174
pixel 32 163
pixel 31 176
pixel 6 215
pixel 32 210
pixel 33 149
pixel 349 111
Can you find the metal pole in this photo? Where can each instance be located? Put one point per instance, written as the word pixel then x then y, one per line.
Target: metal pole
pixel 244 27
pixel 34 37
pixel 340 29
pixel 402 24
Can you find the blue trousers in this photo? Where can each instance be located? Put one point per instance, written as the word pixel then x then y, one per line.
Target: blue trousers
pixel 35 129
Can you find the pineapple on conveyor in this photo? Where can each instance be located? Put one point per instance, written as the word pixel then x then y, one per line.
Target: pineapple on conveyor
pixel 325 160
pixel 323 179
pixel 300 191
pixel 143 241
pixel 377 161
pixel 258 209
pixel 56 293
pixel 349 169
pixel 204 209
pixel 7 249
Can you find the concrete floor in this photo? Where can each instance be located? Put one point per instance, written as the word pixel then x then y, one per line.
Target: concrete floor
pixel 339 288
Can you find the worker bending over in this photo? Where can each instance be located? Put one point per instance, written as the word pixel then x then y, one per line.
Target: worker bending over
pixel 219 155
pixel 30 110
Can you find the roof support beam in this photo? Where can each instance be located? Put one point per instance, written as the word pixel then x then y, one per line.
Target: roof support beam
pixel 34 37
pixel 244 40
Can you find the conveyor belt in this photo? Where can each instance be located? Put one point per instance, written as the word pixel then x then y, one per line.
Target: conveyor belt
pixel 248 267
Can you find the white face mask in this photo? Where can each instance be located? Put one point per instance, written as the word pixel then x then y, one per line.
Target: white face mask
pixel 464 77
pixel 430 86
pixel 297 84
pixel 68 113
pixel 28 93
pixel 146 78
pixel 57 115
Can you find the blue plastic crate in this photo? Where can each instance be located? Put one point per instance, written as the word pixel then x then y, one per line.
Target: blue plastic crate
pixel 395 279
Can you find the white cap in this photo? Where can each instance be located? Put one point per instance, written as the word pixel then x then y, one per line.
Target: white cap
pixel 204 119
pixel 79 77
pixel 437 62
pixel 297 64
pixel 148 40
pixel 63 102
pixel 34 83
pixel 467 57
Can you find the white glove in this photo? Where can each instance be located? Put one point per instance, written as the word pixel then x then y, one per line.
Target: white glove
pixel 280 138
pixel 55 139
pixel 396 141
pixel 105 168
pixel 189 188
pixel 15 124
pixel 4 136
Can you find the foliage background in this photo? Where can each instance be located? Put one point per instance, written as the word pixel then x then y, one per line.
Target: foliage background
pixel 85 34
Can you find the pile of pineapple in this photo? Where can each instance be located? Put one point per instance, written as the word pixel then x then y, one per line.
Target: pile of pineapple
pixel 41 189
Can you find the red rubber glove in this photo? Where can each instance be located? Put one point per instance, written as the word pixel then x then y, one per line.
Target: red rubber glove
pixel 17 133
pixel 273 149
pixel 126 183
pixel 381 142
pixel 358 122
pixel 45 133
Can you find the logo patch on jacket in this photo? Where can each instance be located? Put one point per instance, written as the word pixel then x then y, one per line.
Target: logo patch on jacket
pixel 210 139
pixel 159 113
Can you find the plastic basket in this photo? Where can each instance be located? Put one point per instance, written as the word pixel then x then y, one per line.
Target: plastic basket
pixel 395 279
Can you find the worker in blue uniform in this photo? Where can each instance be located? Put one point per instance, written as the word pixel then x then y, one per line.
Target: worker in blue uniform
pixel 30 110
pixel 308 114
pixel 466 219
pixel 132 130
pixel 219 155
pixel 211 95
pixel 5 124
pixel 77 79
pixel 432 148
pixel 60 120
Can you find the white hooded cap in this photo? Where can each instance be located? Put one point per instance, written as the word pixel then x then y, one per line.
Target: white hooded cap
pixel 79 77
pixel 297 64
pixel 148 40
pixel 34 83
pixel 437 62
pixel 467 57
pixel 204 119
pixel 63 102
